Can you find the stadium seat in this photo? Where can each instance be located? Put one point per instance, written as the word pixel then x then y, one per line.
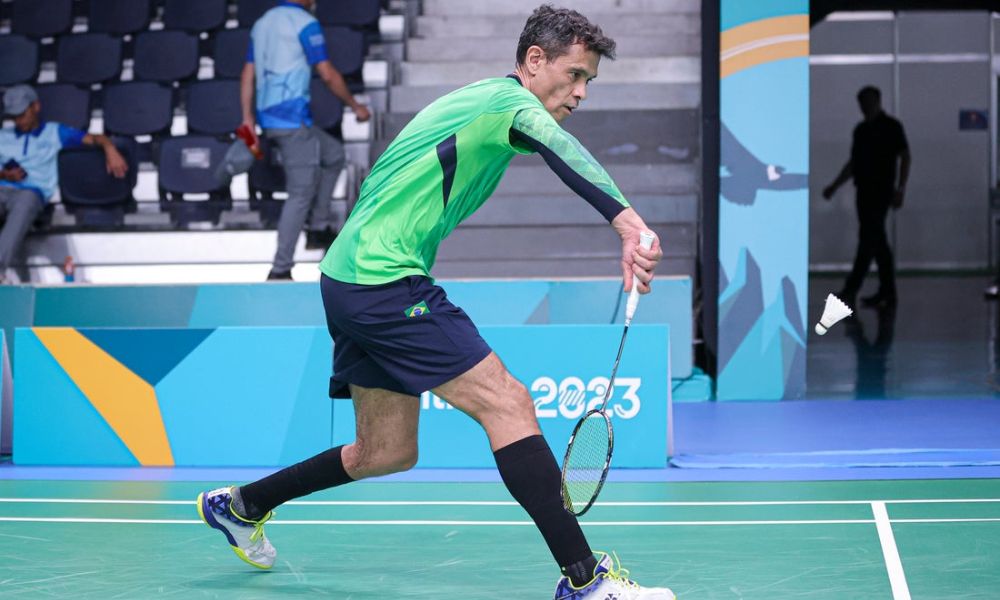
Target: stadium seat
pixel 119 17
pixel 230 53
pixel 65 103
pixel 20 59
pixel 248 11
pixel 88 58
pixel 354 13
pixel 89 192
pixel 213 107
pixel 195 16
pixel 166 56
pixel 187 165
pixel 42 18
pixel 138 108
pixel 327 109
pixel 346 48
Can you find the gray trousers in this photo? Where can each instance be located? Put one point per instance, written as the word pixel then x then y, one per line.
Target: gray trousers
pixel 312 160
pixel 18 209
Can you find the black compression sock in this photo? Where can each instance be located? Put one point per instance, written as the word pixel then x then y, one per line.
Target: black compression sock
pixel 581 573
pixel 325 470
pixel 531 474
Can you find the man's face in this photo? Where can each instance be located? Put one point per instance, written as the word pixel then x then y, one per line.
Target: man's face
pixel 28 120
pixel 561 84
pixel 308 4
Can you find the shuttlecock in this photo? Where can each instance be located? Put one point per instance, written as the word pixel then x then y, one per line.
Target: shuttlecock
pixel 835 311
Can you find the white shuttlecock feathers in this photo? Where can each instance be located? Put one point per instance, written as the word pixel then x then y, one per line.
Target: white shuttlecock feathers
pixel 835 311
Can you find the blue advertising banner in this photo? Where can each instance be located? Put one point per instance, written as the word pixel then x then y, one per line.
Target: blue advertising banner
pixel 566 370
pixel 187 397
pixel 764 196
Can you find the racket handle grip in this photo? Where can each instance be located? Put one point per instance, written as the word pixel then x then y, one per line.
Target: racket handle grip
pixel 646 241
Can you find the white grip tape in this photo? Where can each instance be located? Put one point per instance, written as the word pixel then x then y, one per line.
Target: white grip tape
pixel 646 241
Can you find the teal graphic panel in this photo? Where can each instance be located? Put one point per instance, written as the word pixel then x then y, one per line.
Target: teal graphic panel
pixel 56 423
pixel 261 305
pixel 5 396
pixel 764 195
pixel 149 353
pixel 257 396
pixel 566 370
pixel 114 306
pixel 250 396
pixel 17 309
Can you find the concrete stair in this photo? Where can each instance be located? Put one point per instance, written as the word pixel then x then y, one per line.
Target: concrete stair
pixel 508 27
pixel 489 48
pixel 640 120
pixel 622 96
pixel 669 69
pixel 587 7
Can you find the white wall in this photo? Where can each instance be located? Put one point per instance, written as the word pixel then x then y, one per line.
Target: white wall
pixel 929 66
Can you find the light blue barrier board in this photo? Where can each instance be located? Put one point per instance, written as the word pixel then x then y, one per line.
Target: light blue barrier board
pixel 256 396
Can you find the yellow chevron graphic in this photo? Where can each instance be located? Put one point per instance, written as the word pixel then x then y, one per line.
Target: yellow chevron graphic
pixel 125 401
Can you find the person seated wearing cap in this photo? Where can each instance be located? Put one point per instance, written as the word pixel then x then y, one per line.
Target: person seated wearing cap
pixel 29 175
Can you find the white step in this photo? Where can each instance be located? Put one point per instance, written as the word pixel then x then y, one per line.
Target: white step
pixel 587 7
pixel 624 70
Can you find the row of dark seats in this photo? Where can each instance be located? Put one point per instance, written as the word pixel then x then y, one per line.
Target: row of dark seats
pixel 50 18
pixel 143 108
pixel 189 190
pixel 159 56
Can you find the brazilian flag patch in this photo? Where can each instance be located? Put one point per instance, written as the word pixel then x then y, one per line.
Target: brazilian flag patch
pixel 417 309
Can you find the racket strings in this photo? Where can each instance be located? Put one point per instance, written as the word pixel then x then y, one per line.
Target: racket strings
pixel 587 459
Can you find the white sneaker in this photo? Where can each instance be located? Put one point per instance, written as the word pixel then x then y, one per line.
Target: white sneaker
pixel 610 582
pixel 246 537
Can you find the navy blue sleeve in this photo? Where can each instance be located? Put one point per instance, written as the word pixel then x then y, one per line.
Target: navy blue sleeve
pixel 576 167
pixel 70 137
pixel 250 52
pixel 313 43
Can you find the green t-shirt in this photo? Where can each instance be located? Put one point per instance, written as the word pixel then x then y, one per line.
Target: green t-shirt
pixel 441 168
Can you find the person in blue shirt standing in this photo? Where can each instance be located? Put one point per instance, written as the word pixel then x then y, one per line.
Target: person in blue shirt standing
pixel 29 176
pixel 286 45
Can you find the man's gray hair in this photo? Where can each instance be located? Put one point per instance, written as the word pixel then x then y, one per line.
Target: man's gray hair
pixel 554 30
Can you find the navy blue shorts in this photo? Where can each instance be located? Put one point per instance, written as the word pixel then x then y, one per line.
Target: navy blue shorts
pixel 404 336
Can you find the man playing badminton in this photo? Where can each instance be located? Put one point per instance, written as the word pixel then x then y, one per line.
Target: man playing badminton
pixel 396 334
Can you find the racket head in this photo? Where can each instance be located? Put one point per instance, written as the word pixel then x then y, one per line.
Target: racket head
pixel 587 462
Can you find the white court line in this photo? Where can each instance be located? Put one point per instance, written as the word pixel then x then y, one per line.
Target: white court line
pixel 897 579
pixel 511 503
pixel 491 523
pixel 440 523
pixel 968 520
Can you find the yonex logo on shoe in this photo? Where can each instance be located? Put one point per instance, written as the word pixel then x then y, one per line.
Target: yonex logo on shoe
pixel 417 309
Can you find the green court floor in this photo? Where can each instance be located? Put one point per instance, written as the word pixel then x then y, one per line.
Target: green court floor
pixel 866 540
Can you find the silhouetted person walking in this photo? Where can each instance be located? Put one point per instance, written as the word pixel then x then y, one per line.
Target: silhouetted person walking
pixel 878 142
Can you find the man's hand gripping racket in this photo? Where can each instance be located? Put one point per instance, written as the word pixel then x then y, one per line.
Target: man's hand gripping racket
pixel 588 457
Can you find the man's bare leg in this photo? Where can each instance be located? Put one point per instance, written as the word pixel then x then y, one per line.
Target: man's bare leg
pixel 502 405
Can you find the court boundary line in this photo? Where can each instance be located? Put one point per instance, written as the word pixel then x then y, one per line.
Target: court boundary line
pixel 608 504
pixel 890 552
pixel 113 520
